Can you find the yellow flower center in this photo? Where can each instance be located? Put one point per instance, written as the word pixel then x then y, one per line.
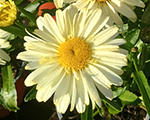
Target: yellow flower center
pixel 8 13
pixel 74 53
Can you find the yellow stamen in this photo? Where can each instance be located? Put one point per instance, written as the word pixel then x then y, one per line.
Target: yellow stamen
pixel 74 53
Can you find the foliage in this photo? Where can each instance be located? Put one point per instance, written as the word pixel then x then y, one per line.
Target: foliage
pixel 135 89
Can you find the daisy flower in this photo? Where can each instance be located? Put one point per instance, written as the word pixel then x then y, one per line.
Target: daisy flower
pixel 8 13
pixel 108 7
pixel 72 59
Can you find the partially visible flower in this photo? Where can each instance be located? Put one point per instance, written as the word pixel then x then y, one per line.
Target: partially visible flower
pixel 8 13
pixel 3 55
pixel 45 6
pixel 108 7
pixel 73 59
pixel 4 34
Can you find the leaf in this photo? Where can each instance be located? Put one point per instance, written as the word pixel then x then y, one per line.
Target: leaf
pixel 17 2
pixel 88 114
pixel 112 110
pixel 15 30
pixel 144 56
pixel 31 94
pixel 146 15
pixel 118 92
pixel 128 96
pixel 8 94
pixel 144 88
pixel 131 38
pixel 100 110
pixel 29 15
pixel 31 7
pixel 110 102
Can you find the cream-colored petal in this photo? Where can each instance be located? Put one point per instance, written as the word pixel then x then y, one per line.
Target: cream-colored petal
pixel 58 3
pixel 32 65
pixel 4 34
pixel 108 54
pixel 90 87
pixel 98 76
pixel 46 37
pixel 40 93
pixel 80 4
pixel 2 62
pixel 50 77
pixel 91 22
pixel 29 39
pixel 69 1
pixel 112 67
pixel 64 103
pixel 113 61
pixel 4 43
pixel 40 22
pixel 117 41
pixel 62 89
pixel 107 92
pixel 35 75
pixel 112 77
pixel 138 3
pixel 82 91
pixel 4 55
pixel 105 48
pixel 104 35
pixel 41 47
pixel 110 11
pixel 52 27
pixel 74 94
pixel 29 56
pixel 79 22
pixel 100 24
pixel 123 9
pixel 52 87
pixel 80 107
pixel 61 22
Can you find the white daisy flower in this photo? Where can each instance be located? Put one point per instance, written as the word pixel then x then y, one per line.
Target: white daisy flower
pixel 108 7
pixel 72 59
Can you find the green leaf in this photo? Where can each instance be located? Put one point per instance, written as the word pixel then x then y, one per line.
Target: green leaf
pixel 128 97
pixel 31 94
pixel 112 110
pixel 143 56
pixel 132 38
pixel 31 7
pixel 110 102
pixel 29 15
pixel 15 30
pixel 100 110
pixel 88 114
pixel 144 88
pixel 118 92
pixel 8 94
pixel 146 15
pixel 17 2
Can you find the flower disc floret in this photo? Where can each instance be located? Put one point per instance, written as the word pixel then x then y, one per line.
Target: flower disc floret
pixel 74 53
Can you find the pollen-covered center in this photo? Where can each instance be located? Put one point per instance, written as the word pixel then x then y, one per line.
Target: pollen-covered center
pixel 74 53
